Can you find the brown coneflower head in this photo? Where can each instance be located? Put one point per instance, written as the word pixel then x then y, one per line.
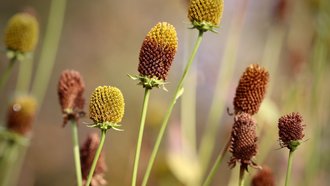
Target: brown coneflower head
pixel 205 14
pixel 243 141
pixel 158 51
pixel 264 177
pixel 22 32
pixel 21 114
pixel 70 91
pixel 87 153
pixel 251 89
pixel 291 130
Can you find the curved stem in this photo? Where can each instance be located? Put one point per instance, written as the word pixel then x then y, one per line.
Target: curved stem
pixel 139 142
pixel 288 171
pixel 96 158
pixel 241 176
pixel 76 152
pixel 4 77
pixel 177 94
pixel 217 163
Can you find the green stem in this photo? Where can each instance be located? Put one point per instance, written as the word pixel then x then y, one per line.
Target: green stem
pixel 76 152
pixel 4 77
pixel 96 158
pixel 139 142
pixel 49 48
pixel 24 75
pixel 241 176
pixel 217 163
pixel 288 171
pixel 177 94
pixel 8 163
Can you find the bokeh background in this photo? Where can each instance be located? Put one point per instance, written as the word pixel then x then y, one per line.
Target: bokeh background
pixel 101 39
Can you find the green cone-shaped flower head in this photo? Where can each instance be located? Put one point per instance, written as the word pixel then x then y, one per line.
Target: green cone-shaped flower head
pixel 205 14
pixel 21 33
pixel 157 52
pixel 106 105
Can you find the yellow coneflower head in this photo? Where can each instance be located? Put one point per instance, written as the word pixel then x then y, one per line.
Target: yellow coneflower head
pixel 106 105
pixel 21 33
pixel 87 154
pixel 205 14
pixel 264 177
pixel 70 91
pixel 243 141
pixel 291 130
pixel 251 89
pixel 21 114
pixel 157 52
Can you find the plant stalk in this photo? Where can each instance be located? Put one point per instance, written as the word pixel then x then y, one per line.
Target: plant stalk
pixel 24 75
pixel 177 94
pixel 241 176
pixel 140 137
pixel 4 77
pixel 288 171
pixel 96 158
pixel 76 152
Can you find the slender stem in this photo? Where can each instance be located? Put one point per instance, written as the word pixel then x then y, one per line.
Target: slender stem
pixel 288 171
pixel 76 152
pixel 217 164
pixel 24 74
pixel 96 158
pixel 49 48
pixel 4 77
pixel 241 176
pixel 177 94
pixel 139 142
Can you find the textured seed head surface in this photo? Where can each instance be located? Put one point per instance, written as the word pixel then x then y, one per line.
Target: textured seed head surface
pixel 243 140
pixel 264 177
pixel 290 129
pixel 87 154
pixel 106 105
pixel 21 114
pixel 22 32
pixel 251 89
pixel 158 51
pixel 206 11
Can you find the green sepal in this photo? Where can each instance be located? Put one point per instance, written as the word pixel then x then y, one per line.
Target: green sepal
pixel 17 55
pixel 148 82
pixel 10 136
pixel 293 145
pixel 106 126
pixel 204 26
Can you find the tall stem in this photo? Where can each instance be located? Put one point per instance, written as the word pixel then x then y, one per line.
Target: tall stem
pixel 288 171
pixel 96 158
pixel 177 94
pixel 4 77
pixel 139 142
pixel 241 176
pixel 24 75
pixel 76 152
pixel 217 163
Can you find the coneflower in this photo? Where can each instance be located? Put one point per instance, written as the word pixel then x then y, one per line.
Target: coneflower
pixel 243 143
pixel 70 91
pixel 205 15
pixel 264 177
pixel 251 89
pixel 291 132
pixel 87 153
pixel 106 109
pixel 156 57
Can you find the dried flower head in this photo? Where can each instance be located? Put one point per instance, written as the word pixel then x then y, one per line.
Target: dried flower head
pixel 263 178
pixel 243 140
pixel 22 32
pixel 291 130
pixel 106 105
pixel 205 14
pixel 70 91
pixel 21 114
pixel 87 154
pixel 251 89
pixel 158 51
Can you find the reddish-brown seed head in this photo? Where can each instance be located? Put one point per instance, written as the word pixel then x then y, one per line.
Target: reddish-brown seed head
pixel 264 177
pixel 251 89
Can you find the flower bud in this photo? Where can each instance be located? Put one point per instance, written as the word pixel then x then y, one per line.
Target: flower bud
pixel 264 177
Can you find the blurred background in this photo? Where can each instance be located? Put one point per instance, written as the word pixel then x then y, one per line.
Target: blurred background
pixel 101 39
